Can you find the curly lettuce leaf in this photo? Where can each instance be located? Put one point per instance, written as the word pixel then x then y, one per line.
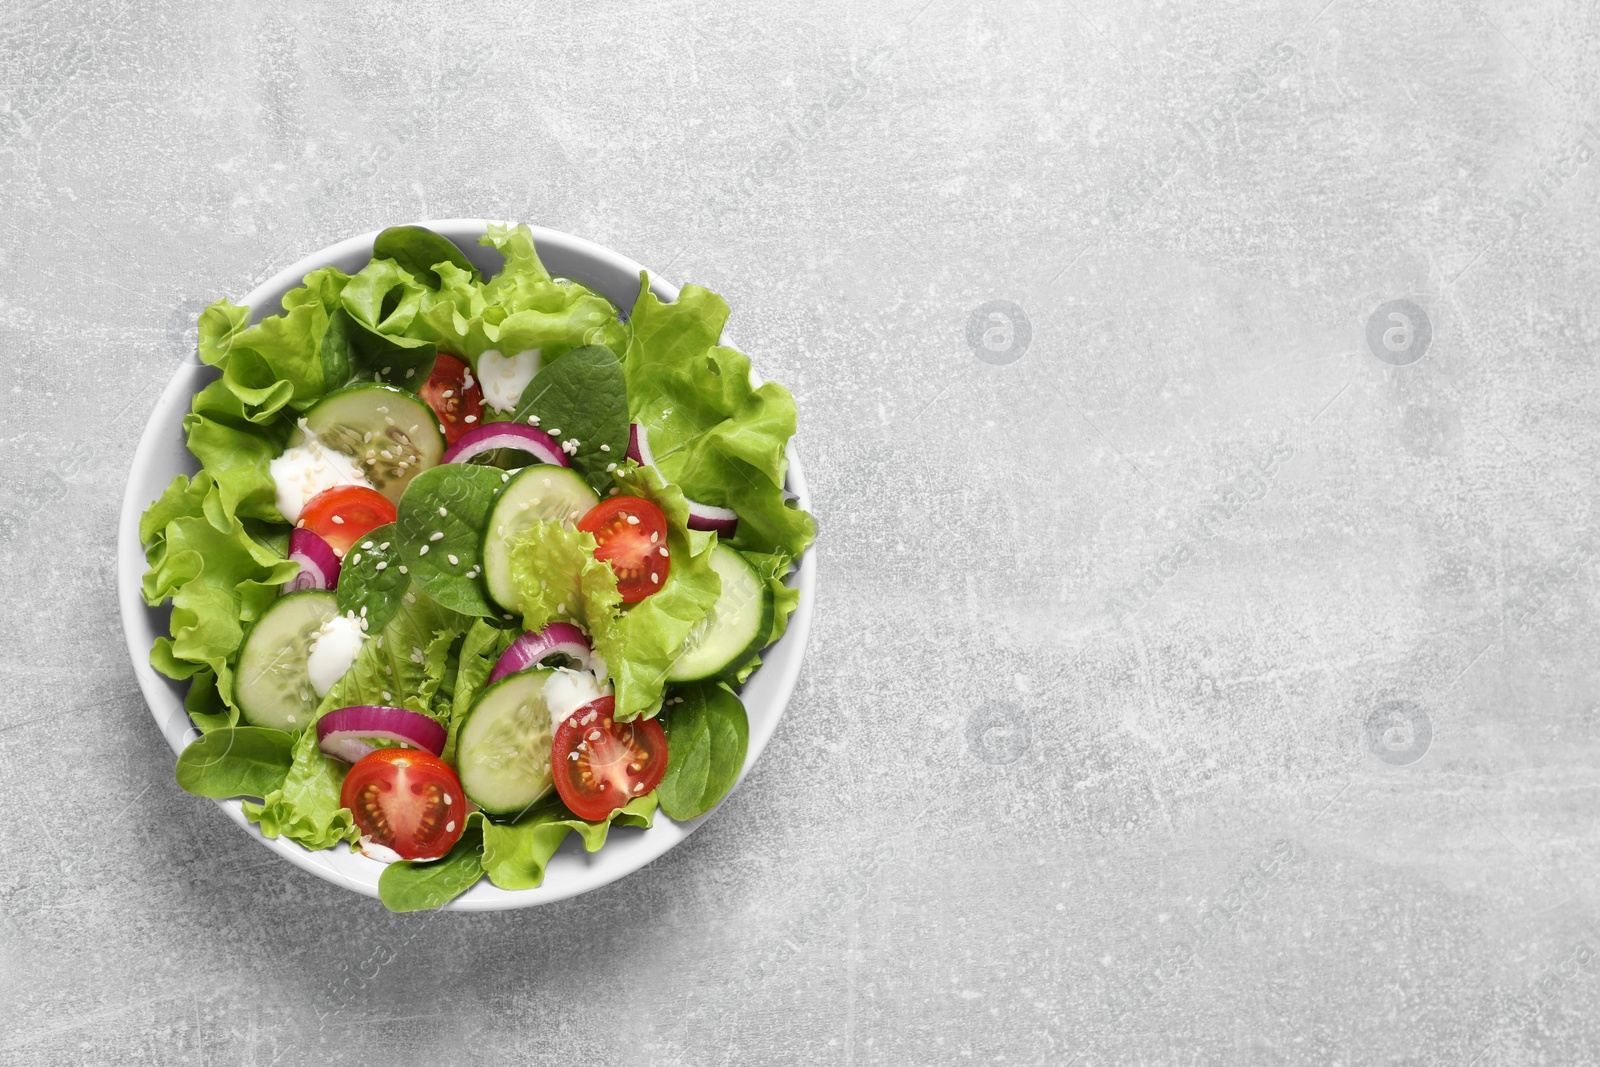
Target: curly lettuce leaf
pixel 217 575
pixel 236 447
pixel 404 664
pixel 306 808
pixel 481 648
pixel 515 855
pixel 711 432
pixel 558 578
pixel 648 637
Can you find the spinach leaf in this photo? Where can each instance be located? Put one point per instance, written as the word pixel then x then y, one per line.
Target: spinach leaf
pixel 363 583
pixel 244 761
pixel 418 250
pixel 352 351
pixel 442 517
pixel 707 735
pixel 584 395
pixel 413 886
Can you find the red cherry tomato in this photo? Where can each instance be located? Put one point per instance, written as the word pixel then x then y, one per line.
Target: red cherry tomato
pixel 453 394
pixel 344 514
pixel 600 764
pixel 407 800
pixel 630 534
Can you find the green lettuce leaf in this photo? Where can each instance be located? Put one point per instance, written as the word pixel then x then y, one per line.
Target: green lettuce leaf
pixel 713 434
pixel 218 577
pixel 515 855
pixel 481 648
pixel 403 664
pixel 558 578
pixel 306 808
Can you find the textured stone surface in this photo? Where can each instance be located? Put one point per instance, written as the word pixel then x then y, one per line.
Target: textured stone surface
pixel 1323 792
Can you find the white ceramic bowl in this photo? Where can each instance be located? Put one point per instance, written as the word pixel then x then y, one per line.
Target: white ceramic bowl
pixel 162 454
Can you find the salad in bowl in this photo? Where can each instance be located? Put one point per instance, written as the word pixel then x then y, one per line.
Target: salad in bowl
pixel 473 560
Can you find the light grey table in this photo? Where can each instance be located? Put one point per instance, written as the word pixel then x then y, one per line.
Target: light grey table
pixel 1204 668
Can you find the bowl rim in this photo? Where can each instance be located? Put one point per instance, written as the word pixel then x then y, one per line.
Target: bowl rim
pixel 161 695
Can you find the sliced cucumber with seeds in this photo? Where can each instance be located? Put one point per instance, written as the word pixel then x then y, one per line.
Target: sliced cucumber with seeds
pixel 737 627
pixel 271 684
pixel 542 493
pixel 503 748
pixel 391 434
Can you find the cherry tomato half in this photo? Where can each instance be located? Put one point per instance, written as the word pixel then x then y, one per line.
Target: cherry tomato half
pixel 454 395
pixel 344 514
pixel 600 764
pixel 407 800
pixel 630 534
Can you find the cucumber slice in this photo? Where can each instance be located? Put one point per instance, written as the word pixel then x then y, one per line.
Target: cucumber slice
pixel 543 492
pixel 390 433
pixel 737 627
pixel 503 747
pixel 271 685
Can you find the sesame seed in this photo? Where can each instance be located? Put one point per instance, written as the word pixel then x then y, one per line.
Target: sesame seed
pixel 653 579
pixel 633 520
pixel 605 448
pixel 447 799
pixel 470 418
pixel 663 552
pixel 368 544
pixel 338 520
pixel 638 787
pixel 654 537
pixel 386 454
pixel 423 551
pixel 505 477
pixel 610 467
pixel 554 433
pixel 364 607
pixel 450 827
pixel 442 511
pixel 381 566
pixel 356 558
pixel 388 695
pixel 448 393
pixel 451 556
pixel 436 536
pixel 533 420
pixel 384 547
pixel 561 609
pixel 402 569
pixel 386 370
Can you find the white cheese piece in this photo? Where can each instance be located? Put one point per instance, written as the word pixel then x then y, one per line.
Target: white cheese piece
pixel 566 691
pixel 307 469
pixel 333 650
pixel 503 378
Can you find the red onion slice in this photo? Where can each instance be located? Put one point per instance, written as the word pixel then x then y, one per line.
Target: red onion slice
pixel 319 564
pixel 347 733
pixel 533 646
pixel 720 521
pixel 486 438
